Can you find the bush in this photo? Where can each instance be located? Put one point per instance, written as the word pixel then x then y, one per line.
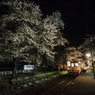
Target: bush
pixel 5 86
pixel 21 81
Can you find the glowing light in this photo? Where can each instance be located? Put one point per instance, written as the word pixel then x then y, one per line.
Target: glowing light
pixel 76 64
pixel 77 68
pixel 88 55
pixel 72 64
pixel 68 63
pixel 68 68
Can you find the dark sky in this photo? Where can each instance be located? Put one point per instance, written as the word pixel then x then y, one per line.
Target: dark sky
pixel 78 16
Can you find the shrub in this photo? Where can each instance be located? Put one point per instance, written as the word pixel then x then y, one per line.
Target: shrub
pixel 5 86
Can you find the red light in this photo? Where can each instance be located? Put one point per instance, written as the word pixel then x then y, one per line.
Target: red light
pixel 77 68
pixel 68 68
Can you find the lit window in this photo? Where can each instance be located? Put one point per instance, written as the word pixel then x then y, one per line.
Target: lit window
pixel 76 64
pixel 68 64
pixel 72 64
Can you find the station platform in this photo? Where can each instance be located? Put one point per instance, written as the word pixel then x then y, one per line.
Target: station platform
pixel 84 84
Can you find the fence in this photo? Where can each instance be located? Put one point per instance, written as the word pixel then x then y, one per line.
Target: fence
pixel 3 73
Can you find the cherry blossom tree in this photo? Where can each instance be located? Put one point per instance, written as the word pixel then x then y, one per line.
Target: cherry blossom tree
pixel 23 28
pixel 73 54
pixel 53 37
pixel 18 28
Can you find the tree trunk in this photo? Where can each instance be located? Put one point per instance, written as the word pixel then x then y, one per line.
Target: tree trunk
pixel 15 68
pixel 59 68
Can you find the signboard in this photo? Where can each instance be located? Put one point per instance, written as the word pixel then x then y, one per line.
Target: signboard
pixel 28 67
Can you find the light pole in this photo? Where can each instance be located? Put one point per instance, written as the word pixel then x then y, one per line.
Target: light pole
pixel 88 55
pixel 89 37
pixel 92 56
pixel 90 40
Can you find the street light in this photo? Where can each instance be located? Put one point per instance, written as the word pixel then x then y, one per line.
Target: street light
pixel 88 55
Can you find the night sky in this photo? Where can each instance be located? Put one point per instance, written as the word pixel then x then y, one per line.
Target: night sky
pixel 78 16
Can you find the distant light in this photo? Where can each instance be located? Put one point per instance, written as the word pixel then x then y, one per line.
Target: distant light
pixel 77 68
pixel 68 68
pixel 68 62
pixel 72 64
pixel 76 64
pixel 88 55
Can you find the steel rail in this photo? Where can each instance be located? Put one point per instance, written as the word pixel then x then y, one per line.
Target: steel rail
pixel 57 90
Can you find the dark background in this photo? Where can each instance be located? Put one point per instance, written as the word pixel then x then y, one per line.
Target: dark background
pixel 78 16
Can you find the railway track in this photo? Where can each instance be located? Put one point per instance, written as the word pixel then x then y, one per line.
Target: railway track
pixel 57 90
pixel 55 87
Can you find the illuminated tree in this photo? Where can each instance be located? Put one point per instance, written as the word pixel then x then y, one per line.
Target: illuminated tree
pixel 22 29
pixel 53 37
pixel 88 46
pixel 73 54
pixel 18 29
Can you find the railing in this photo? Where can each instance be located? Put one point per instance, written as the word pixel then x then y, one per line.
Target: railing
pixel 2 73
